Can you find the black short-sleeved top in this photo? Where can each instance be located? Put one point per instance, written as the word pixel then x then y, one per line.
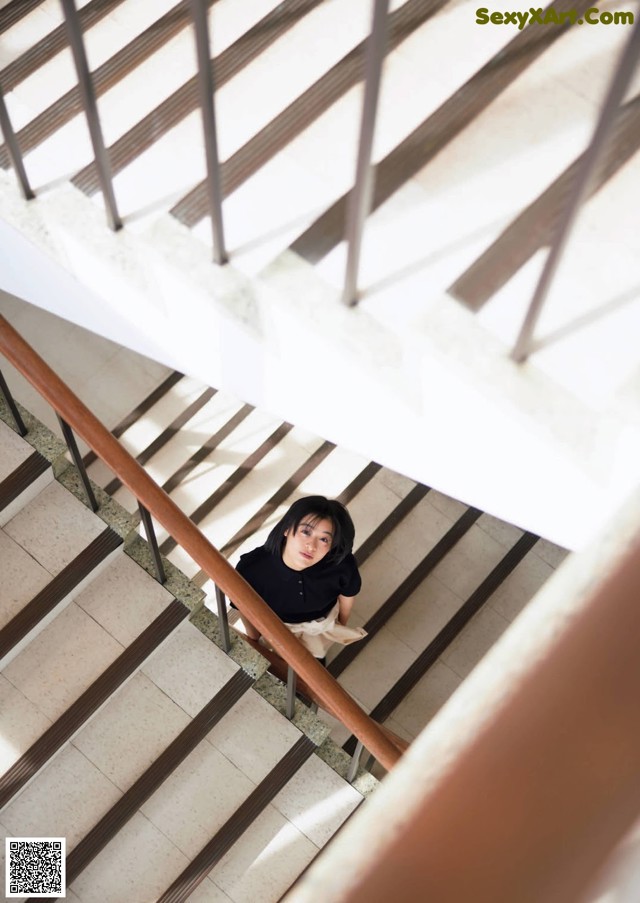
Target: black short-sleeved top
pixel 297 596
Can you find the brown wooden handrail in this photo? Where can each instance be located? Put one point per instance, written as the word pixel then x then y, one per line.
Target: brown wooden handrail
pixel 278 666
pixel 326 689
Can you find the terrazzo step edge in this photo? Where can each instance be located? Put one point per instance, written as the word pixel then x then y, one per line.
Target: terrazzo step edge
pixel 90 701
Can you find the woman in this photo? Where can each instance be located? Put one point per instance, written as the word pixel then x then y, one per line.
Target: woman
pixel 307 574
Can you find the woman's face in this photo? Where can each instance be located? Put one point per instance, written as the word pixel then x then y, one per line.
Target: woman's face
pixel 309 544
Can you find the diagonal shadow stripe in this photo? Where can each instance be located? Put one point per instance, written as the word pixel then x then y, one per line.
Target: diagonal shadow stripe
pixel 535 226
pixel 302 112
pixel 104 77
pixel 439 129
pixel 187 98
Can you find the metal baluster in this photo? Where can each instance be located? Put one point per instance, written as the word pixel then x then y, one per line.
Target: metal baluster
pixel 72 445
pixel 360 199
pixel 87 92
pixel 13 149
pixel 223 620
pixel 207 104
pixel 355 759
pixel 13 407
pixel 291 693
pixel 619 84
pixel 153 542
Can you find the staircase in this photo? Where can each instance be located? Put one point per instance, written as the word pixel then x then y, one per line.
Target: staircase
pixel 441 582
pixel 125 729
pixel 451 248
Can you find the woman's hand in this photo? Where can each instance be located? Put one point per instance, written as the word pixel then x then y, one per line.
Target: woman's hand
pixel 345 604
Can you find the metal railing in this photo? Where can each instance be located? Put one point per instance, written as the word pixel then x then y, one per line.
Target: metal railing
pixel 620 81
pixel 361 193
pixel 154 502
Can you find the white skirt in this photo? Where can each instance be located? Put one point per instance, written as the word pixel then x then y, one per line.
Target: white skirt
pixel 318 636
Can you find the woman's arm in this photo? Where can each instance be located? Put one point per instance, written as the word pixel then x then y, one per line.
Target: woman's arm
pixel 345 604
pixel 252 632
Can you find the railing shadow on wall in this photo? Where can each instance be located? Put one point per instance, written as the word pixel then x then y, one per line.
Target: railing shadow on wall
pixel 315 681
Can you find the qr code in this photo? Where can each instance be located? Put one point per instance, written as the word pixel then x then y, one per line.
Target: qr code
pixel 35 867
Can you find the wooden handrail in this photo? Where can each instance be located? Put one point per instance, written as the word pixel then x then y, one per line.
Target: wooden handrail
pixel 278 667
pixel 327 690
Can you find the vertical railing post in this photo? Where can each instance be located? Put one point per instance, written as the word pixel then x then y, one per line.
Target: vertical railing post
pixel 223 620
pixel 13 149
pixel 153 543
pixel 291 693
pixel 207 104
pixel 355 760
pixel 360 197
pixel 619 84
pixel 72 445
pixel 88 95
pixel 13 407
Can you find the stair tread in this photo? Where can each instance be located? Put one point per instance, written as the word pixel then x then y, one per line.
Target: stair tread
pixel 33 616
pixel 15 450
pixel 53 528
pixel 22 578
pixel 87 636
pixel 248 818
pixel 89 701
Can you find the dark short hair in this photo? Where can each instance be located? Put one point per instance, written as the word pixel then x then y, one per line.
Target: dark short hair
pixel 319 508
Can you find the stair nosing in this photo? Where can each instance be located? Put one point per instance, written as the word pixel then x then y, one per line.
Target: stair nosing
pixel 22 477
pixel 46 48
pixel 57 589
pixel 240 821
pixel 300 113
pixel 143 408
pixel 408 586
pixel 140 791
pixel 186 98
pixel 450 631
pixel 436 131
